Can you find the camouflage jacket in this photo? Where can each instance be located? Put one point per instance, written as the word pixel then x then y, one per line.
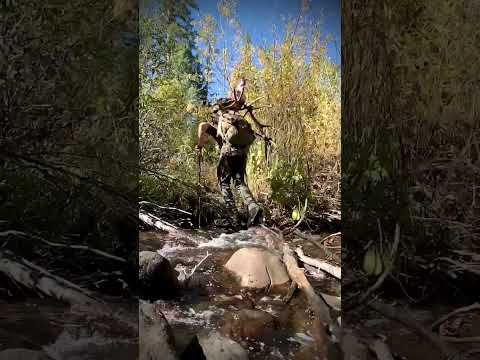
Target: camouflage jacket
pixel 227 149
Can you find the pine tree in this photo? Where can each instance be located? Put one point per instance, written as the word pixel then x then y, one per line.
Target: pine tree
pixel 168 45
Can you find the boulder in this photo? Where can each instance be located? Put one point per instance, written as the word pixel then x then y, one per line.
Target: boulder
pixel 257 268
pixel 213 346
pixel 22 354
pixel 157 278
pixel 249 324
pixel 156 340
pixel 91 347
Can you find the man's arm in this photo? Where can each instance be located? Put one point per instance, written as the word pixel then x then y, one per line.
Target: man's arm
pixel 204 130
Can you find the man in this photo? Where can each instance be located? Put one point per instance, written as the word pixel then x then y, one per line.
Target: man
pixel 233 153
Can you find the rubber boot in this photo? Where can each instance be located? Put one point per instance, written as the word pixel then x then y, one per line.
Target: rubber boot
pixel 255 211
pixel 255 215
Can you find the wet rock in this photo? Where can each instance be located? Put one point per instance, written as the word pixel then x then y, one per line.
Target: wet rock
pixel 335 302
pixel 213 346
pixel 233 302
pixel 155 335
pixel 257 268
pixel 151 240
pixel 157 278
pixel 296 316
pixel 311 352
pixel 22 354
pixel 91 347
pixel 193 351
pixel 352 348
pixel 249 324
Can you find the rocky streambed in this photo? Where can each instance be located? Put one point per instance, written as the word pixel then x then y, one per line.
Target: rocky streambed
pixel 206 295
pixel 235 305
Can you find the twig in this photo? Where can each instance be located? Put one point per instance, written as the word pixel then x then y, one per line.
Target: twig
pixel 469 267
pixel 262 107
pixel 309 237
pixel 164 207
pixel 279 234
pixel 461 339
pixel 333 270
pixel 387 270
pixel 196 266
pixel 329 236
pixel 468 308
pixel 468 353
pixel 255 100
pixel 55 244
pixel 304 212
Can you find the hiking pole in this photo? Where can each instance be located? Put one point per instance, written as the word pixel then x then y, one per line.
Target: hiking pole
pixel 199 188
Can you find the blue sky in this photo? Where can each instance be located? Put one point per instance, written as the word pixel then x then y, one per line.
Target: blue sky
pixel 258 18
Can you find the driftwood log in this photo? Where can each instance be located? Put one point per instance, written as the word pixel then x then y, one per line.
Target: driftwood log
pixel 317 303
pixel 333 270
pixel 156 222
pixel 30 276
pixel 322 321
pixel 297 275
pixel 33 277
pixel 162 225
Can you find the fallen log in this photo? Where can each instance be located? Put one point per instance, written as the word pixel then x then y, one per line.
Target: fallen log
pixel 404 318
pixel 33 277
pixel 333 270
pixel 322 323
pixel 62 245
pixel 162 225
pixel 30 276
pixel 296 274
pixel 156 222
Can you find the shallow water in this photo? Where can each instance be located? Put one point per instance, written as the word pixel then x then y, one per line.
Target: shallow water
pixel 212 299
pixel 65 332
pixel 215 295
pixel 21 322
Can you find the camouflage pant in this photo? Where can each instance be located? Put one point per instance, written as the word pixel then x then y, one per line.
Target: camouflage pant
pixel 232 167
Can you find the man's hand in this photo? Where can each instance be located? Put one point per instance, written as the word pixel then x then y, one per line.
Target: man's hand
pixel 199 149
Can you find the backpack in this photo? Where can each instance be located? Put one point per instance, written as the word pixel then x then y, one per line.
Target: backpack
pixel 235 130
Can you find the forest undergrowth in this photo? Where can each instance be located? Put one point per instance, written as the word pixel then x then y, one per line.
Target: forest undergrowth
pixel 295 89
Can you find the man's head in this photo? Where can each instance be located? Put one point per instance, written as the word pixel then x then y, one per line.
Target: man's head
pixel 242 82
